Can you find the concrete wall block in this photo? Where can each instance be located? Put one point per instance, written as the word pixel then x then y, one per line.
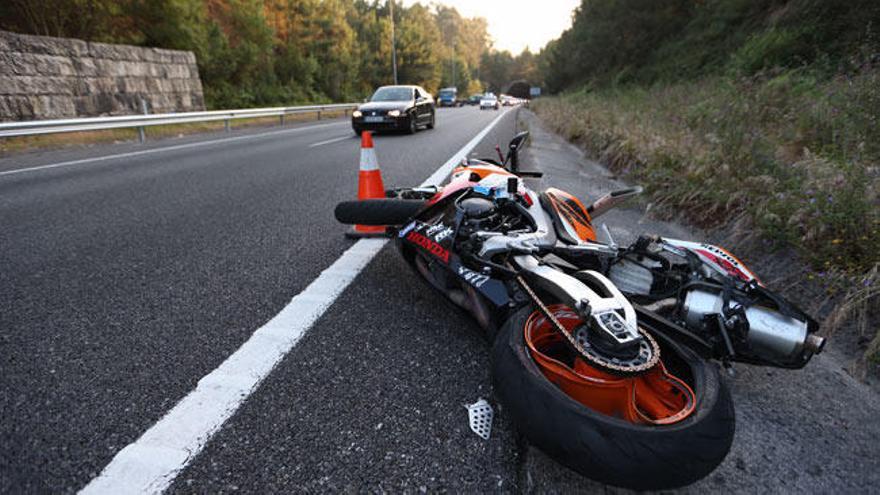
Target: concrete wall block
pixel 49 65
pixel 16 108
pixel 8 64
pixel 44 45
pixel 151 55
pixel 12 85
pixel 98 85
pixel 85 67
pixel 52 107
pixel 136 85
pixel 154 70
pixel 184 101
pixel 44 77
pixel 115 52
pixel 46 85
pixel 165 86
pixel 7 41
pixel 180 85
pixel 177 71
pixel 6 108
pixel 161 104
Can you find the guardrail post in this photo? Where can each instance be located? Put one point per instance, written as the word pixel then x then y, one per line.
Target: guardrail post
pixel 319 115
pixel 142 136
pixel 226 125
pixel 282 120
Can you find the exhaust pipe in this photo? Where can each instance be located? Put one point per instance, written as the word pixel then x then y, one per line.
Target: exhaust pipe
pixel 814 343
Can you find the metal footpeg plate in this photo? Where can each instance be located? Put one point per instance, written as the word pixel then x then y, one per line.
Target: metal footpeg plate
pixel 480 416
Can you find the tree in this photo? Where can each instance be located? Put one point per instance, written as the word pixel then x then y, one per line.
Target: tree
pixel 418 41
pixel 266 52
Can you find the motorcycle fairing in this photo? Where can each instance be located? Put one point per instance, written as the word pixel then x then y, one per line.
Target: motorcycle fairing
pixel 570 217
pixel 434 239
pixel 424 236
pixel 717 258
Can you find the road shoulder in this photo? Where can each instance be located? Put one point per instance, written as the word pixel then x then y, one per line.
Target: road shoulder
pixel 808 430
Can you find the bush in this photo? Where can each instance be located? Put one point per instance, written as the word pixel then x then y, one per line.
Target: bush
pixel 794 155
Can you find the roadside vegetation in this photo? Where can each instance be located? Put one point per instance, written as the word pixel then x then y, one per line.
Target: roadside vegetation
pixel 759 116
pixel 255 53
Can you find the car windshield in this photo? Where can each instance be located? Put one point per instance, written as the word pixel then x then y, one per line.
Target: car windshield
pixel 392 94
pixel 447 92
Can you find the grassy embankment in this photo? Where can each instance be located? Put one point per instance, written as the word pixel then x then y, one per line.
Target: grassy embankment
pixel 758 117
pixel 785 155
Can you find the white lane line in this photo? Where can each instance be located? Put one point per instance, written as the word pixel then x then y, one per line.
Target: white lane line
pixel 167 148
pixel 150 464
pixel 329 141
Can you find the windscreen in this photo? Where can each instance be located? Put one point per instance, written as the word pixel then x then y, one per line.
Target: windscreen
pixel 392 94
pixel 446 93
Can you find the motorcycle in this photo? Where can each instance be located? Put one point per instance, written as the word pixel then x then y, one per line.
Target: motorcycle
pixel 604 356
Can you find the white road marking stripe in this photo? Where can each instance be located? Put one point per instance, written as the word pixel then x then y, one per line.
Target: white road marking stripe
pixel 329 141
pixel 166 148
pixel 150 464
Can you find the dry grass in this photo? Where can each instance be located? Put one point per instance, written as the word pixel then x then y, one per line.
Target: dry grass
pixel 52 141
pixel 784 157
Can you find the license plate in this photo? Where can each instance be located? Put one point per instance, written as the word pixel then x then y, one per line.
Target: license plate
pixel 373 119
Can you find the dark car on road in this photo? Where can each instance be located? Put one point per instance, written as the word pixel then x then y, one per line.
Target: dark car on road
pixel 404 108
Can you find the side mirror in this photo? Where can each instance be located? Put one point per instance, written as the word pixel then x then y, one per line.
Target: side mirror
pixel 518 141
pixel 514 146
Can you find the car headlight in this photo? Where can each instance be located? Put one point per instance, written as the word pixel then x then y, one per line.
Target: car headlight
pixel 394 113
pixel 356 113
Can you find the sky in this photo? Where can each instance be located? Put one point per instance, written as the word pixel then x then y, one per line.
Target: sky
pixel 517 24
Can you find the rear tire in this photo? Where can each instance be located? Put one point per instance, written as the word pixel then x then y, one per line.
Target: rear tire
pixel 608 449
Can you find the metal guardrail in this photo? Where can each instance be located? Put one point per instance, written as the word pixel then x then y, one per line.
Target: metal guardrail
pixel 38 127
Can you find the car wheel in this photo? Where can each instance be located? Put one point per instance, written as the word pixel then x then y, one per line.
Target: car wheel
pixel 431 123
pixel 413 125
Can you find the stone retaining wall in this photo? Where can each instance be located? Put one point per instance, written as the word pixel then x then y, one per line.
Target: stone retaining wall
pixel 50 78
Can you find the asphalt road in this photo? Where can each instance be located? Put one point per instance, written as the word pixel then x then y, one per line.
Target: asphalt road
pixel 125 281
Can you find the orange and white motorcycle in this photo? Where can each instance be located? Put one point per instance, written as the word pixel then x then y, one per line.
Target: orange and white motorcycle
pixel 603 356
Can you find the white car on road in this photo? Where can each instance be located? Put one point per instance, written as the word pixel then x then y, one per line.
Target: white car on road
pixel 489 101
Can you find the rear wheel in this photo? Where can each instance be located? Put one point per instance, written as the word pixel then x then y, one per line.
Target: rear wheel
pixel 667 430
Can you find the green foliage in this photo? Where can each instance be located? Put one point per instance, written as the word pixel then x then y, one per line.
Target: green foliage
pixel 794 155
pixel 646 41
pixel 284 52
pixel 772 48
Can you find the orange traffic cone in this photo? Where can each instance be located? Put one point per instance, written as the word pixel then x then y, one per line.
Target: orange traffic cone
pixel 369 185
